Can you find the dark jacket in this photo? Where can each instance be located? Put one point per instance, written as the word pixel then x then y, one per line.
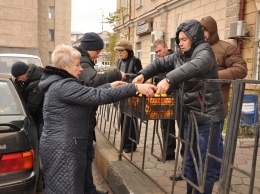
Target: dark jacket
pixel 92 78
pixel 63 144
pixel 160 76
pixel 31 93
pixel 199 62
pixel 231 65
pixel 131 64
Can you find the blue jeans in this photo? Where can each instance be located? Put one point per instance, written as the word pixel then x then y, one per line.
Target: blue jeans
pixel 190 173
pixel 89 186
pixel 220 155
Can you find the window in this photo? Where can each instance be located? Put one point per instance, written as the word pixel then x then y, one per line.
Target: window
pixel 138 50
pixel 51 12
pixel 172 44
pixel 51 35
pixel 139 3
pixel 152 54
pixel 8 104
pixel 50 53
pixel 127 10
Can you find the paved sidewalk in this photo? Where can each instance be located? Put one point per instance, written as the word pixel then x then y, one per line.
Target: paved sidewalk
pixel 159 172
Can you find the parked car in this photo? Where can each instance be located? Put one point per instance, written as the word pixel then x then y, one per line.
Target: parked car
pixel 19 147
pixel 8 59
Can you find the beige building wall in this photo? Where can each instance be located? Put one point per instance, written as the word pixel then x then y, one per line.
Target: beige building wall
pixel 25 26
pixel 167 15
pixel 19 25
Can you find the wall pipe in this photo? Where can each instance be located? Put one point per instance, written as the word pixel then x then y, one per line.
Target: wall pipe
pixel 241 17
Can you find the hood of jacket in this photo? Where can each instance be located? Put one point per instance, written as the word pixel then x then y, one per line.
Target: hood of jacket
pixel 193 30
pixel 34 73
pixel 211 25
pixel 51 75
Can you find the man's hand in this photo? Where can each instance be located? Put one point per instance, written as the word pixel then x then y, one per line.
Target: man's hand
pixel 146 89
pixel 117 83
pixel 162 87
pixel 139 79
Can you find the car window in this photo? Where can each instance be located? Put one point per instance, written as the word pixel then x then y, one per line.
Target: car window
pixel 8 105
pixel 6 62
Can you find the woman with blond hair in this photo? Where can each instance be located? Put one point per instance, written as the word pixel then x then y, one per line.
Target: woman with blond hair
pixel 67 104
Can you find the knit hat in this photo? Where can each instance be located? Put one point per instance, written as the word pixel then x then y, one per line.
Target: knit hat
pixel 19 68
pixel 123 44
pixel 91 41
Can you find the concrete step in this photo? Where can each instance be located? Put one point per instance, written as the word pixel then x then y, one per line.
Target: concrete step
pixel 122 176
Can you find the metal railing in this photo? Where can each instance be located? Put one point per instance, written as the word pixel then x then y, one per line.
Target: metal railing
pixel 109 124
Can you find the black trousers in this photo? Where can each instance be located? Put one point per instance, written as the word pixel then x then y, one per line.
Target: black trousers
pixel 171 146
pixel 130 128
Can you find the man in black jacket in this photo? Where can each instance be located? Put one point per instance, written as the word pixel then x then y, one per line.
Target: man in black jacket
pixel 29 76
pixel 90 48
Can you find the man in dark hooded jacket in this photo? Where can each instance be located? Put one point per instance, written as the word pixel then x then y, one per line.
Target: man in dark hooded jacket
pixel 203 106
pixel 90 48
pixel 231 65
pixel 29 77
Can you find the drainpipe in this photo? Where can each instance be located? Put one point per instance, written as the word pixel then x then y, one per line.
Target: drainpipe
pixel 130 12
pixel 241 17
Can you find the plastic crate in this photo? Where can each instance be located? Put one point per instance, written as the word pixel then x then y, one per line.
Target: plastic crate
pixel 152 108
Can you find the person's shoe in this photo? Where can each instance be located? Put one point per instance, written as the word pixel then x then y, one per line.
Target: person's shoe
pixel 216 178
pixel 101 192
pixel 128 150
pixel 178 177
pixel 170 157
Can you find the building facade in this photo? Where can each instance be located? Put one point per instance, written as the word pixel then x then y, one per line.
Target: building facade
pixel 34 26
pixel 144 21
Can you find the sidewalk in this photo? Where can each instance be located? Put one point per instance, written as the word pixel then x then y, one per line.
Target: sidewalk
pixel 158 172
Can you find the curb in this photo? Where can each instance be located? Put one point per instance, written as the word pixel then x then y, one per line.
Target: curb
pixel 121 176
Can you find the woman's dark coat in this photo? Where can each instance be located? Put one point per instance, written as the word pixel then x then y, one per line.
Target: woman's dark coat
pixel 63 144
pixel 199 62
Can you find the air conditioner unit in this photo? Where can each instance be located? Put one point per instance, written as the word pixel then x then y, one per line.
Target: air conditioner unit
pixel 237 29
pixel 156 35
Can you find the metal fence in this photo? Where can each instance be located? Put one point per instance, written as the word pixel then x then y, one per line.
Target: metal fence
pixel 109 124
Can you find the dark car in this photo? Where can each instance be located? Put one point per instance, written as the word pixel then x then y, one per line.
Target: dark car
pixel 19 150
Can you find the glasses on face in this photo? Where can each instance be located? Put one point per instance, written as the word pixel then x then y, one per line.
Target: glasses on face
pixel 121 50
